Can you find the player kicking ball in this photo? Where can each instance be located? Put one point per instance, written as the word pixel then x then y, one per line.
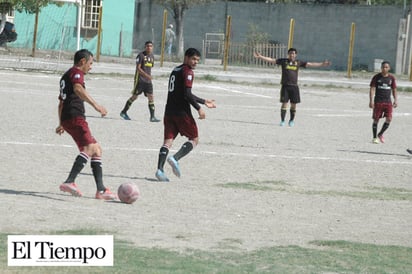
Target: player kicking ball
pixel 178 117
pixel 72 119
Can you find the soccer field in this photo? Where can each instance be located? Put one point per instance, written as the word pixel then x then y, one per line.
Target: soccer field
pixel 249 184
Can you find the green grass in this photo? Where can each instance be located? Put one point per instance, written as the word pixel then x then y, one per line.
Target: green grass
pixel 318 257
pixel 375 193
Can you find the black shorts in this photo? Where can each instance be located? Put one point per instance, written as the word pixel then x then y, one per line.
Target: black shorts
pixel 142 87
pixel 290 93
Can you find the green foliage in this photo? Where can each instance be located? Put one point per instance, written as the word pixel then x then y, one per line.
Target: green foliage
pixel 29 6
pixel 255 36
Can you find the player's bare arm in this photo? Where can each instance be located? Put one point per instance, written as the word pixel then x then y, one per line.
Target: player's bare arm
pixel 59 128
pixel 395 98
pixel 325 63
pixel 371 96
pixel 264 58
pixel 202 114
pixel 84 95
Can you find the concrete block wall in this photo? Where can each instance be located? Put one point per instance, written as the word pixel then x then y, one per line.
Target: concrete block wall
pixel 321 31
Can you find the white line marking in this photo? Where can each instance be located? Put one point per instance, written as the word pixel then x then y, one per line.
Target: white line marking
pixel 235 91
pixel 246 155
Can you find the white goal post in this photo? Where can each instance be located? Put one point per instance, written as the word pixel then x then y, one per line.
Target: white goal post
pixel 79 16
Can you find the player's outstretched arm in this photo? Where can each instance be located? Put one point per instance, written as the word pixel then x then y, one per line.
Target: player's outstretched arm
pixel 264 58
pixel 325 63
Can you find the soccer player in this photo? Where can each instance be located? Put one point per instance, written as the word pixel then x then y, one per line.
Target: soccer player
pixel 382 86
pixel 72 119
pixel 178 116
pixel 143 82
pixel 290 89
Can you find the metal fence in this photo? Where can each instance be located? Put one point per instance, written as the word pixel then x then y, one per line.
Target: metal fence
pixel 242 53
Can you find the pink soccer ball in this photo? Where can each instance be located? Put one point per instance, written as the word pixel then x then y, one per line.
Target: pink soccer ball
pixel 128 193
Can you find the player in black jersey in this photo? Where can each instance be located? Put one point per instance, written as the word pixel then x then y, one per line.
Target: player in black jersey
pixel 290 89
pixel 178 116
pixel 143 82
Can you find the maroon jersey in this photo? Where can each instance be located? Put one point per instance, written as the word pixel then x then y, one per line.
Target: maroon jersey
pixel 290 70
pixel 384 86
pixel 73 106
pixel 180 97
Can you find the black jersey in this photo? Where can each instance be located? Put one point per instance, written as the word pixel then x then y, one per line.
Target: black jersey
pixel 290 70
pixel 384 86
pixel 146 62
pixel 73 106
pixel 180 97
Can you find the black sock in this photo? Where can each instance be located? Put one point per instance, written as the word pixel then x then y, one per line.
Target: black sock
pixel 184 150
pixel 292 114
pixel 96 164
pixel 283 114
pixel 127 105
pixel 374 129
pixel 152 109
pixel 162 157
pixel 79 163
pixel 384 127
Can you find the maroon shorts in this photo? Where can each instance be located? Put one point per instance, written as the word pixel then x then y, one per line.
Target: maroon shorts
pixel 185 125
pixel 79 130
pixel 381 110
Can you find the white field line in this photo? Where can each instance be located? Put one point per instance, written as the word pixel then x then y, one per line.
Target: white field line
pixel 234 91
pixel 245 155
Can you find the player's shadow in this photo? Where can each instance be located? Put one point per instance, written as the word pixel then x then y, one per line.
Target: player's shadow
pixel 44 195
pixel 123 177
pixel 243 122
pixel 376 153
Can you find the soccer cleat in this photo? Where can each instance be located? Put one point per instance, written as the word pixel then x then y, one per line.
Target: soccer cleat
pixel 375 141
pixel 160 175
pixel 291 123
pixel 282 123
pixel 125 116
pixel 154 119
pixel 71 188
pixel 175 165
pixel 106 195
pixel 409 151
pixel 381 138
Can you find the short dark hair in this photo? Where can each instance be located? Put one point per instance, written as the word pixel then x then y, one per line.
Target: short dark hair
pixel 190 52
pixel 292 49
pixel 80 54
pixel 384 63
pixel 148 42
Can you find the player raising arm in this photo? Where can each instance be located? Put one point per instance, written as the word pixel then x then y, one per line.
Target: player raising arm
pixel 290 89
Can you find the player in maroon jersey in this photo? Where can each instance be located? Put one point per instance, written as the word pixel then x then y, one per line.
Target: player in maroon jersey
pixel 143 82
pixel 178 116
pixel 290 89
pixel 72 119
pixel 382 86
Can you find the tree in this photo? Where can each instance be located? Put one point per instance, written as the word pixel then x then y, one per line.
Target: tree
pixel 32 7
pixel 178 8
pixel 29 6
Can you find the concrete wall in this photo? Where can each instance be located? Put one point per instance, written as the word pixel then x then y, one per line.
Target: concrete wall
pixel 57 29
pixel 321 31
